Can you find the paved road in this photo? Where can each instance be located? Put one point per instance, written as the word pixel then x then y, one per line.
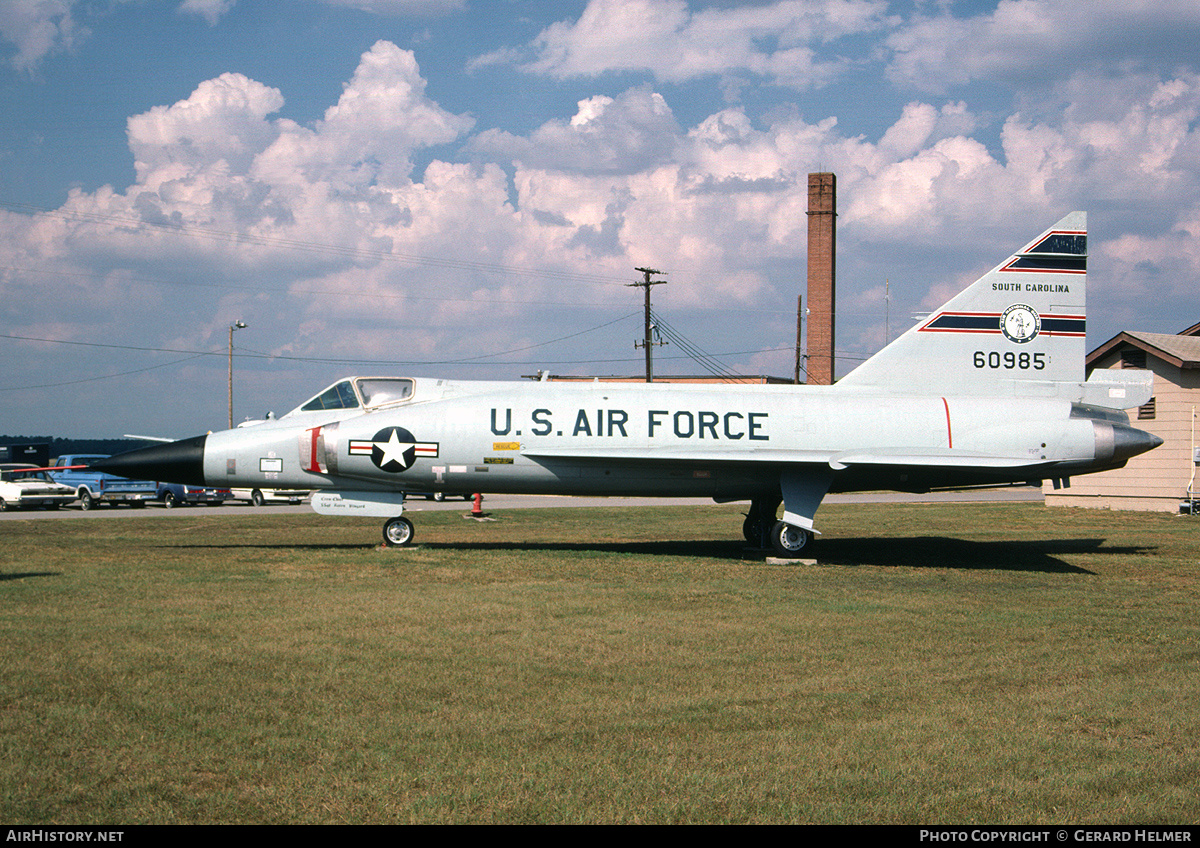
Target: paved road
pixel 495 503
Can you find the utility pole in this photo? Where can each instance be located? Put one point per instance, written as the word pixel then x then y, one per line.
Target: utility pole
pixel 649 343
pixel 799 327
pixel 236 325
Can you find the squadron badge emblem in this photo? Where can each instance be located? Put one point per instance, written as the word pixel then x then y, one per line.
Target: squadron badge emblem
pixel 1020 323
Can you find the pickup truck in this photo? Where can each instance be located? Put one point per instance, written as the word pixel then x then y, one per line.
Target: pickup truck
pixel 93 487
pixel 174 494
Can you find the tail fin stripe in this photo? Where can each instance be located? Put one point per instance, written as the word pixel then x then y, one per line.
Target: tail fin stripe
pixel 1061 241
pixel 1058 252
pixel 1049 264
pixel 1064 325
pixel 963 322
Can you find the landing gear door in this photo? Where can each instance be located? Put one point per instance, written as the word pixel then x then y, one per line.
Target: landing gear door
pixel 370 504
pixel 803 490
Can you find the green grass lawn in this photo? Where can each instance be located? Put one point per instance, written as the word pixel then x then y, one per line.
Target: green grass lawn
pixel 940 664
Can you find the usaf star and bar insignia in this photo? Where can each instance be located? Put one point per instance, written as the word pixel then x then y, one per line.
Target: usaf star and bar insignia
pixel 393 449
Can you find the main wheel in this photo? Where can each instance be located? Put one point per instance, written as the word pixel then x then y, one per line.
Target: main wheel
pixel 753 529
pixel 788 540
pixel 398 532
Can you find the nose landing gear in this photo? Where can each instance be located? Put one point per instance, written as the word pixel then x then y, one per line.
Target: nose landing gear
pixel 398 532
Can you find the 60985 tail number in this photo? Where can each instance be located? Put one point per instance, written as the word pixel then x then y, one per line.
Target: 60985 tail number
pixel 1010 360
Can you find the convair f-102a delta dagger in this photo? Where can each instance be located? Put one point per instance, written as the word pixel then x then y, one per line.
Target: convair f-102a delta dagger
pixel 987 390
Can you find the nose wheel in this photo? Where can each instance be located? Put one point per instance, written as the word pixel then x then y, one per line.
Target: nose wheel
pixel 398 532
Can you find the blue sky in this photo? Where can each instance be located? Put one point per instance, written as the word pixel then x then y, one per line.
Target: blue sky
pixel 463 188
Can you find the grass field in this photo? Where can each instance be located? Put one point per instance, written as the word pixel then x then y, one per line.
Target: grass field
pixel 941 664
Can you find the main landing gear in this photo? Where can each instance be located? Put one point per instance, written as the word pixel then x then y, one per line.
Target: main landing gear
pixel 762 530
pixel 759 521
pixel 790 541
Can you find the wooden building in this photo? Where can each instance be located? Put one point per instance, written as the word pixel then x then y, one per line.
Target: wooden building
pixel 1160 479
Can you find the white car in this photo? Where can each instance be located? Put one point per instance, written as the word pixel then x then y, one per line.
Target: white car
pixel 26 486
pixel 258 497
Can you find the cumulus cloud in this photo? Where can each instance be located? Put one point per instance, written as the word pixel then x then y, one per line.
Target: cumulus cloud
pixel 38 28
pixel 210 10
pixel 1031 40
pixel 616 184
pixel 223 188
pixel 606 135
pixel 402 7
pixel 353 250
pixel 371 134
pixel 223 123
pixel 1164 264
pixel 670 41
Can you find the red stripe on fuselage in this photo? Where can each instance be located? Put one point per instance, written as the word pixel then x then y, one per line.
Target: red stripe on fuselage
pixel 314 463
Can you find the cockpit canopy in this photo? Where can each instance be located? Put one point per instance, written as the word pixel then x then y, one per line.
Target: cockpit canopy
pixel 366 393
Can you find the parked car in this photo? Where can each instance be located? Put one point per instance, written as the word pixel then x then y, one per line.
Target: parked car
pixel 27 486
pixel 174 494
pixel 258 497
pixel 94 487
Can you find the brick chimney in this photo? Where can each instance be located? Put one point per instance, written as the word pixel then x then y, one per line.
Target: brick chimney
pixel 822 262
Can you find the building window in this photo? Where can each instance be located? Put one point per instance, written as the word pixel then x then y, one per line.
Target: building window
pixel 1146 411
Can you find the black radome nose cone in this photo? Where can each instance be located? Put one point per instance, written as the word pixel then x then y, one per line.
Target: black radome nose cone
pixel 174 462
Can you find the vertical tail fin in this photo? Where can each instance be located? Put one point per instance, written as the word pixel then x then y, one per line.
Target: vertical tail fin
pixel 1021 323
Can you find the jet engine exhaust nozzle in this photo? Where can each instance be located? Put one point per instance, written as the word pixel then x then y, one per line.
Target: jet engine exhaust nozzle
pixel 1117 442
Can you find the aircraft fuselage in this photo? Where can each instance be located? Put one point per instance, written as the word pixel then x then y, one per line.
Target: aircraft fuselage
pixel 631 439
pixel 989 389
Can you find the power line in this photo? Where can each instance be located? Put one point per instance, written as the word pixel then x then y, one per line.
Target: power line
pixel 474 360
pixel 705 360
pixel 340 293
pixel 543 344
pixel 264 355
pixel 246 353
pixel 104 376
pixel 242 238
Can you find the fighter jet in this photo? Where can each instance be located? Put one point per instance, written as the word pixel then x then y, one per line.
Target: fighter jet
pixel 987 390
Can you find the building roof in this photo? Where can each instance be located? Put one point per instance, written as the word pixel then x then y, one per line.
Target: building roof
pixel 1181 351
